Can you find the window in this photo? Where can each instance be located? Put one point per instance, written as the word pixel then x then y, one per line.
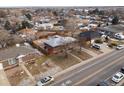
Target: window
pixel 11 61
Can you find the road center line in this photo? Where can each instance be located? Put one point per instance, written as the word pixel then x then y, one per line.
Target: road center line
pixel 86 67
pixel 98 71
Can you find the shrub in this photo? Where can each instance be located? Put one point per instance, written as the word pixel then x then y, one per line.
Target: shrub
pixel 114 44
pixel 110 46
pixel 98 41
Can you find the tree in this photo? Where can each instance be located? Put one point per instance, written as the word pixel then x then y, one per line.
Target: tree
pixel 7 25
pixel 16 27
pixel 95 11
pixel 101 12
pixel 28 15
pixel 55 13
pixel 26 24
pixel 99 25
pixel 107 24
pixel 115 20
pixel 7 39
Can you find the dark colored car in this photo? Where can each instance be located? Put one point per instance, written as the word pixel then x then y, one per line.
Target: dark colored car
pixel 102 83
pixel 122 70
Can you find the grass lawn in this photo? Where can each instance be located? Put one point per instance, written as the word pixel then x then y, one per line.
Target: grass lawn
pixel 82 55
pixel 64 62
pixel 41 59
pixel 33 68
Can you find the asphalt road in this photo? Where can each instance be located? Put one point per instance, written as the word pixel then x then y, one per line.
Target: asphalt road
pixel 91 73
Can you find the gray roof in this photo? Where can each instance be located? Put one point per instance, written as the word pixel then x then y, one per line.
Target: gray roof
pixel 113 28
pixel 13 52
pixel 58 41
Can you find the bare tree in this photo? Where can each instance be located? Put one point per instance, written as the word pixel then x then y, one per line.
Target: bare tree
pixel 7 39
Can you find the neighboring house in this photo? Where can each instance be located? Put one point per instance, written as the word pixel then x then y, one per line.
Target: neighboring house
pixel 56 44
pixel 61 28
pixel 8 57
pixel 44 26
pixel 27 34
pixel 112 30
pixel 45 34
pixel 87 36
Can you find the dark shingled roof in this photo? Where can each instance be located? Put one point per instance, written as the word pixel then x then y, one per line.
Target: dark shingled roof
pixel 89 34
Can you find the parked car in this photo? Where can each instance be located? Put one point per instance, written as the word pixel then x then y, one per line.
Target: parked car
pixel 102 83
pixel 122 70
pixel 118 77
pixel 96 46
pixel 45 81
pixel 119 47
pixel 119 36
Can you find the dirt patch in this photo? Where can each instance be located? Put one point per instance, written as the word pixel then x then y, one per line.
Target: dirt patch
pixel 40 66
pixel 15 75
pixel 81 54
pixel 34 68
pixel 64 62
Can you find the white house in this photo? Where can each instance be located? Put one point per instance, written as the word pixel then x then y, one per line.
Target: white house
pixel 45 26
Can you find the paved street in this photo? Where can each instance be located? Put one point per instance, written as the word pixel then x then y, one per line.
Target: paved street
pixel 93 72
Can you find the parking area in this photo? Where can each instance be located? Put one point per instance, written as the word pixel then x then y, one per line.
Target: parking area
pixel 104 48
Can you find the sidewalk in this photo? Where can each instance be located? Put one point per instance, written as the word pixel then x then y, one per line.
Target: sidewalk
pixel 27 72
pixel 3 78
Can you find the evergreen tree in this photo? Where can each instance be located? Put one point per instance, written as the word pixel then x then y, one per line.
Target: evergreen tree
pixel 26 24
pixel 7 25
pixel 115 20
pixel 28 16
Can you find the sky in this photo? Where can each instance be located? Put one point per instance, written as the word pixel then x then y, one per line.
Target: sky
pixel 15 3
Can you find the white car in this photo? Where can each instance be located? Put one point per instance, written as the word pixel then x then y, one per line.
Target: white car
pixel 96 46
pixel 119 47
pixel 119 36
pixel 118 77
pixel 45 81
